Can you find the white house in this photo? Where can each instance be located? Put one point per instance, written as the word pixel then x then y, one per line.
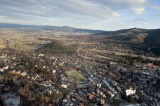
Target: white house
pixel 64 86
pixel 130 91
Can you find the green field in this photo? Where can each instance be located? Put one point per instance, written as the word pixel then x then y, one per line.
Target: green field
pixel 76 76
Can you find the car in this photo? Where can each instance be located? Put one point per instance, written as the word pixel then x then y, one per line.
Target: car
pixel 65 100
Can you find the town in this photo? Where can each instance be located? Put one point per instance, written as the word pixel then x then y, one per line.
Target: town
pixel 95 74
pixel 79 52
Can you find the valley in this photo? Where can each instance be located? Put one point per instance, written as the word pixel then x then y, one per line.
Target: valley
pixel 64 69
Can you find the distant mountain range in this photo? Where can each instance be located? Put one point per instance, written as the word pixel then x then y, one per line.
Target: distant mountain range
pixel 66 29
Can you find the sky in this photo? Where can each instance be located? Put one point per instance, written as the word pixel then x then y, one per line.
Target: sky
pixel 88 14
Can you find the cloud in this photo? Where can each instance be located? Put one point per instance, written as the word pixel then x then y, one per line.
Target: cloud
pixel 156 7
pixel 54 8
pixel 137 6
pixel 69 8
pixel 138 10
pixel 2 16
pixel 78 13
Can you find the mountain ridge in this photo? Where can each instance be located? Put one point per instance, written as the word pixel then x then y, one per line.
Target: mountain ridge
pixel 48 27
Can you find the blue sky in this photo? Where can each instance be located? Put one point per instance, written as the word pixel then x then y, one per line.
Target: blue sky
pixel 90 14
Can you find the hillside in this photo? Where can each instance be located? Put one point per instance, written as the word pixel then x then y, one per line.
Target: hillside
pixel 141 39
pixel 153 37
pixel 135 35
pixel 56 47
